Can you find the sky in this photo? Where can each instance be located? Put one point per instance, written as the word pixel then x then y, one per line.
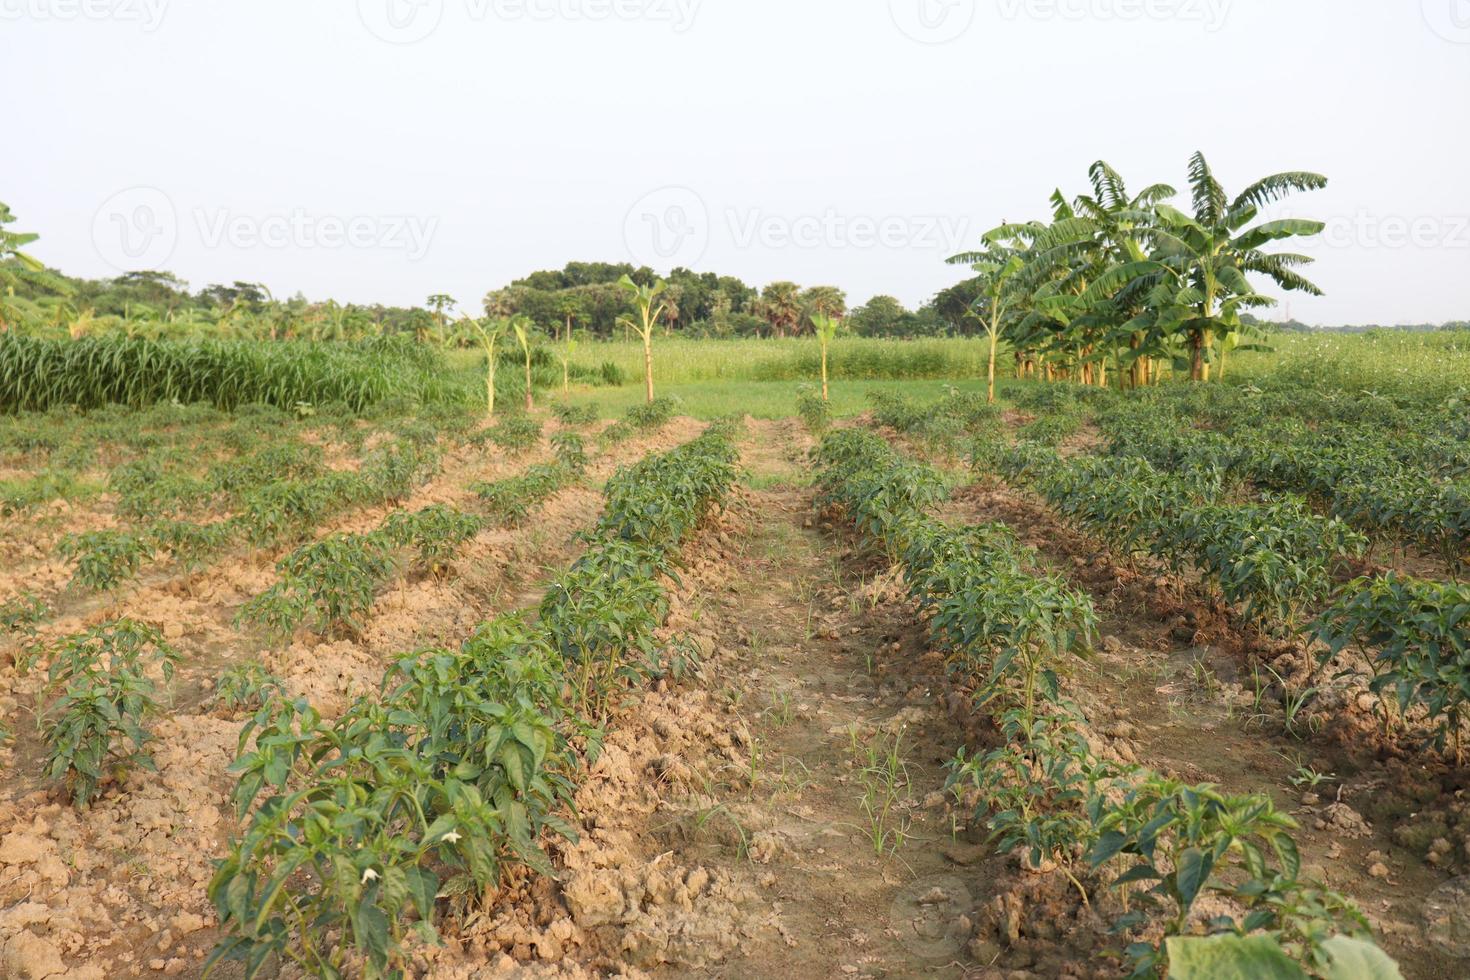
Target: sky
pixel 384 150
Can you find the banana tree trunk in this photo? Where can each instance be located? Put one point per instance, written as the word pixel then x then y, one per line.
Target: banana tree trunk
pixel 824 371
pixel 991 376
pixel 648 365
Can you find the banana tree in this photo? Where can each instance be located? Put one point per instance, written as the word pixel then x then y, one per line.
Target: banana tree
pixel 826 328
pixel 521 324
pixel 489 332
pixel 649 308
pixel 18 268
pixel 568 349
pixel 1210 253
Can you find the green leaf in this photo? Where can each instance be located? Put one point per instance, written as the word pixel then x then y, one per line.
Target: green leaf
pixel 1357 959
pixel 1229 957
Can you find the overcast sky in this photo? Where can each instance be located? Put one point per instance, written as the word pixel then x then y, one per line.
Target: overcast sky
pixel 383 150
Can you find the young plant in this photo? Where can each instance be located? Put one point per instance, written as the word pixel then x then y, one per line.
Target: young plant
pixel 815 412
pixel 489 333
pixel 646 301
pixel 516 434
pixel 96 726
pixel 826 328
pixel 522 327
pixel 437 533
pixel 105 559
pixel 330 584
pixel 246 686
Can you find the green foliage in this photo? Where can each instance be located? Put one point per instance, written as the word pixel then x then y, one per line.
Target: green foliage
pixel 516 434
pixel 510 501
pixel 1010 630
pixel 571 452
pixel 436 533
pixel 661 499
pixel 21 613
pixel 1272 559
pixel 190 544
pixel 1416 637
pixel 328 585
pixel 105 559
pixel 573 414
pixel 106 696
pixel 814 410
pixel 246 686
pixel 456 773
pixel 37 373
pixel 23 495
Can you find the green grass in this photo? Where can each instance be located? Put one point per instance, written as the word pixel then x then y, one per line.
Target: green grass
pixel 1385 361
pixel 678 361
pixel 759 399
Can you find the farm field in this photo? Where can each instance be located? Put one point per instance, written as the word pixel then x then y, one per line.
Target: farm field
pixel 917 686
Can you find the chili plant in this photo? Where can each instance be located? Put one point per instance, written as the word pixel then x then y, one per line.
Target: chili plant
pixel 96 725
pixel 105 559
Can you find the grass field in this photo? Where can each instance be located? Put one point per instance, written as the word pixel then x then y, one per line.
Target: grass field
pixel 761 378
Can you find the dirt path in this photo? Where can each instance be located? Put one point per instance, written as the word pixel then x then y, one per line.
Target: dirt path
pixel 848 744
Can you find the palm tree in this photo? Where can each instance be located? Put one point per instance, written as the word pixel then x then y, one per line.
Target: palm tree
pixel 781 307
pixel 826 301
pixel 649 307
pixel 440 303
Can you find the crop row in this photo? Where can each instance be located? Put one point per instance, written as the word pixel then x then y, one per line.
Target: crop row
pixel 299 494
pixel 1386 483
pixel 357 829
pixel 1276 560
pixel 1007 632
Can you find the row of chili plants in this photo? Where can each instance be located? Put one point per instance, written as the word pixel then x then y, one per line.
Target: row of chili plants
pixel 1278 562
pixel 358 832
pixel 1396 483
pixel 1009 632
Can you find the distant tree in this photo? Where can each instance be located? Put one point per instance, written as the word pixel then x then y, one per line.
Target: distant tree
pixel 881 316
pixel 441 304
pixel 780 305
pixel 828 301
